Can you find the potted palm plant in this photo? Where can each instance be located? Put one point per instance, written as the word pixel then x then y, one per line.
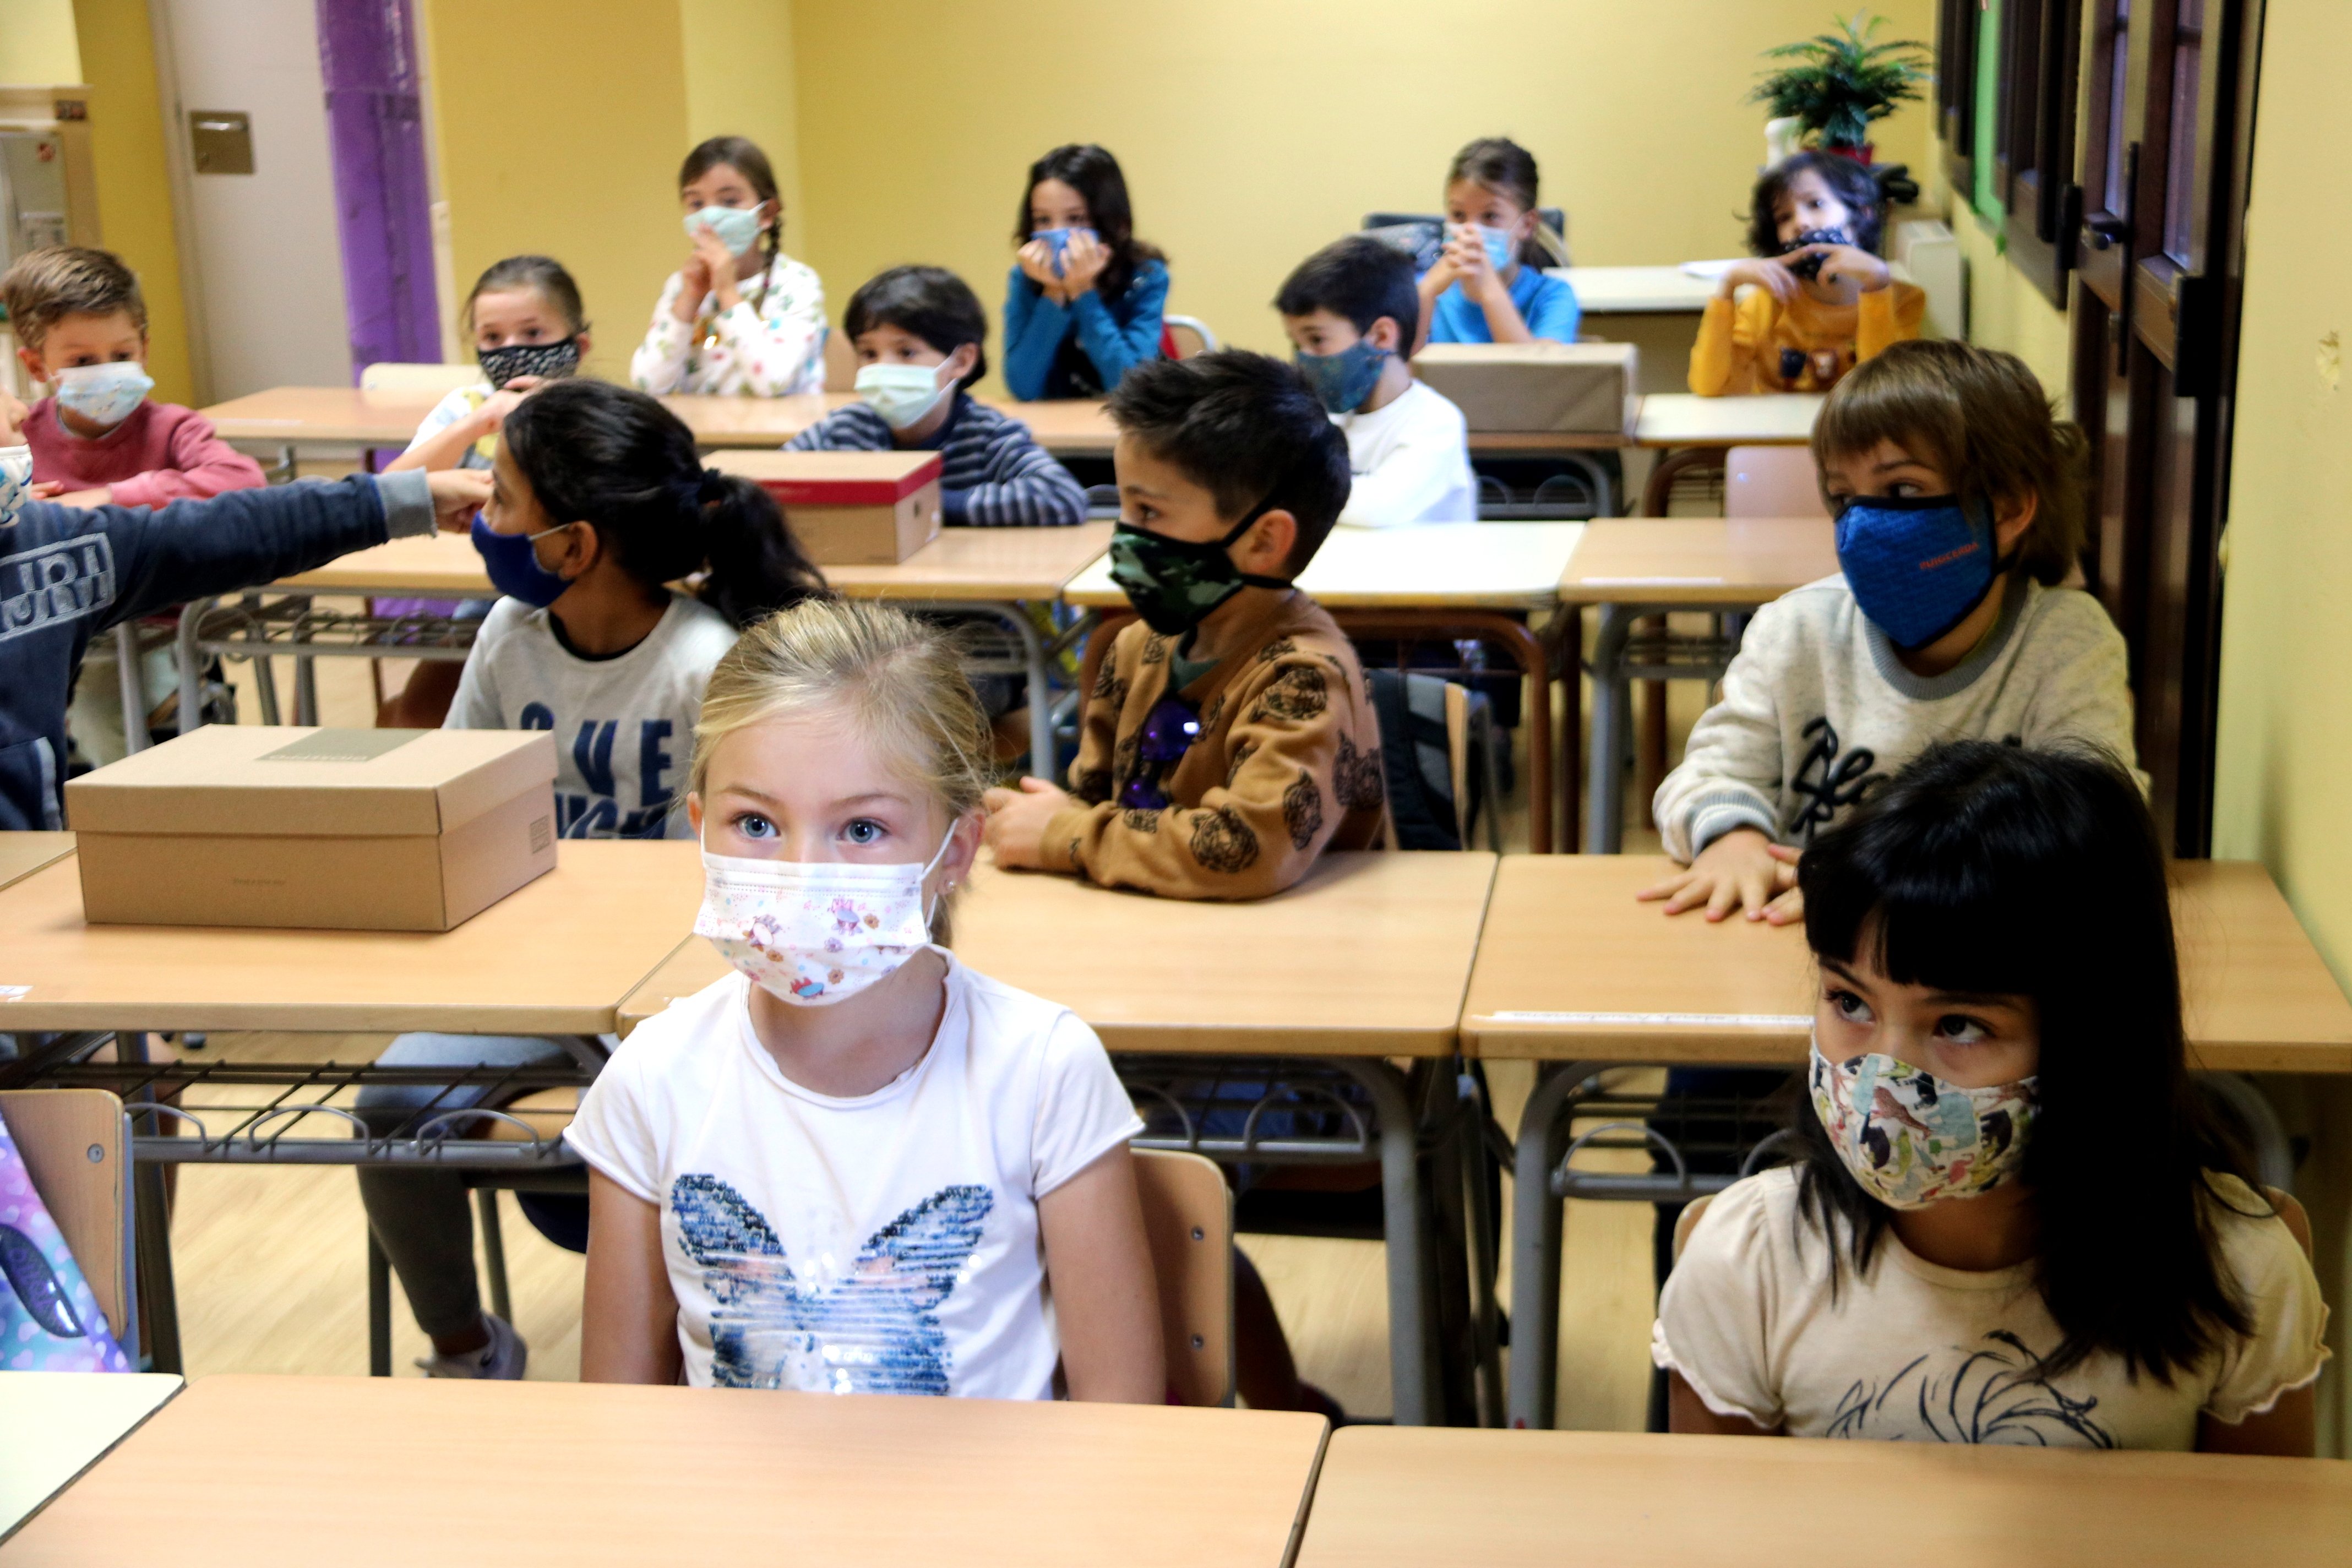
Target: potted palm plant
pixel 1842 81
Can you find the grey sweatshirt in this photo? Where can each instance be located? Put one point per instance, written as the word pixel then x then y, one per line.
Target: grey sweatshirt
pixel 1817 709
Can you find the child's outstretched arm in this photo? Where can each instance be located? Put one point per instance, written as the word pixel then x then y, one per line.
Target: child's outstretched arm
pixel 1106 1297
pixel 628 1319
pixel 1718 812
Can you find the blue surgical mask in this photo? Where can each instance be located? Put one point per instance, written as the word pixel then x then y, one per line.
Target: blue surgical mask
pixel 103 393
pixel 1345 379
pixel 15 482
pixel 1917 565
pixel 737 228
pixel 1502 250
pixel 1057 240
pixel 513 565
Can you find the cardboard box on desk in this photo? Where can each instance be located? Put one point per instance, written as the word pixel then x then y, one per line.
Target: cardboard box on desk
pixel 1542 387
pixel 244 825
pixel 849 508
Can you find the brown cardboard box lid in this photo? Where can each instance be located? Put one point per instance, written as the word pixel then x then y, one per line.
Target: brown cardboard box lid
pixel 834 479
pixel 297 781
pixel 1541 354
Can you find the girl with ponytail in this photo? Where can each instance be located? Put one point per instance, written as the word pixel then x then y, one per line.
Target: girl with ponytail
pixel 741 318
pixel 598 504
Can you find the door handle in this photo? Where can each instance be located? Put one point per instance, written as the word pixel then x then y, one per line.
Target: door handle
pixel 2105 232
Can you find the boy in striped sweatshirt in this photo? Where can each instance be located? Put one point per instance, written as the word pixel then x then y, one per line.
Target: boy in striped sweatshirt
pixel 920 333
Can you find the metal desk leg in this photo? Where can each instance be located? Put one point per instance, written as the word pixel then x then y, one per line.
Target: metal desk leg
pixel 152 1222
pixel 306 685
pixel 132 689
pixel 191 673
pixel 1604 832
pixel 1413 1286
pixel 1535 1249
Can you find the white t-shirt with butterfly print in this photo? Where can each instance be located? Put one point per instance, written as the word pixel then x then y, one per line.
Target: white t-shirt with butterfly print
pixel 885 1243
pixel 771 344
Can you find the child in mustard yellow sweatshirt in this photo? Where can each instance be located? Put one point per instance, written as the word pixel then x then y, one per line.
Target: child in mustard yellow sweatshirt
pixel 1229 739
pixel 1818 300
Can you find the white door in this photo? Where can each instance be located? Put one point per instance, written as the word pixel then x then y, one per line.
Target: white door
pixel 268 274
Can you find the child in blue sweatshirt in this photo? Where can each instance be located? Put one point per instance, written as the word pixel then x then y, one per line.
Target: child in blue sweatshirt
pixel 921 336
pixel 1085 297
pixel 68 575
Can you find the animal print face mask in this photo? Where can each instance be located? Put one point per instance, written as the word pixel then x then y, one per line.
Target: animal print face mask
pixel 1911 1139
pixel 814 932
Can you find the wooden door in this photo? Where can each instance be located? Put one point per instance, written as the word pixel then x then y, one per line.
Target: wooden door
pixel 2168 130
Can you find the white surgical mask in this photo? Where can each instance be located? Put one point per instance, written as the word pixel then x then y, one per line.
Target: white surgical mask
pixel 103 393
pixel 15 482
pixel 814 932
pixel 737 228
pixel 901 394
pixel 1911 1139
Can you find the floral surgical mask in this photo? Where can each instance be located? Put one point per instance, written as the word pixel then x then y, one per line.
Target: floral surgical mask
pixel 1909 1138
pixel 814 932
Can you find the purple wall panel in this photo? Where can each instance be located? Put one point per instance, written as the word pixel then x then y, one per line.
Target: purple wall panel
pixel 367 57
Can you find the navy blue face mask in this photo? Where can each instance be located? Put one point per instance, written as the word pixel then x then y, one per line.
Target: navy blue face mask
pixel 1343 380
pixel 513 564
pixel 1917 565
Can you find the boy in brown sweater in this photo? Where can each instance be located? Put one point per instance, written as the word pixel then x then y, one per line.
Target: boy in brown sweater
pixel 1229 739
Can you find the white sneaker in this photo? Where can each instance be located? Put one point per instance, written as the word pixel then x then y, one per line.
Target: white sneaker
pixel 503 1358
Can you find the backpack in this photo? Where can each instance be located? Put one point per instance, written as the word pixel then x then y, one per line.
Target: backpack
pixel 1416 761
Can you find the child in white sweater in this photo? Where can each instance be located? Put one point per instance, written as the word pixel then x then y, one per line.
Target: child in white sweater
pixel 1960 515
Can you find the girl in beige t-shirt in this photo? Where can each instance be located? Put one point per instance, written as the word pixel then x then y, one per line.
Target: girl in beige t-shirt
pixel 2011 1218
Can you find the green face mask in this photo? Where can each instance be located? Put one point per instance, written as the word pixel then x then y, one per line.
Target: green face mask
pixel 1174 583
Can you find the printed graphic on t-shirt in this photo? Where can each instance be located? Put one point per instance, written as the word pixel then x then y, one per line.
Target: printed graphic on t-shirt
pixel 601 813
pixel 871 1328
pixel 1827 782
pixel 1992 1394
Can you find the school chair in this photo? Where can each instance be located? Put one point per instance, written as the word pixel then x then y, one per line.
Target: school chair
pixel 544 1114
pixel 392 377
pixel 1188 1219
pixel 1771 481
pixel 1185 337
pixel 1437 750
pixel 75 1143
pixel 840 363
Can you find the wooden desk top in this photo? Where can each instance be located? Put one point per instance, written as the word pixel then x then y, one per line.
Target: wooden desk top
pixel 1762 419
pixel 54 1425
pixel 1409 1497
pixel 257 1472
pixel 1697 560
pixel 1571 967
pixel 1383 944
pixel 555 956
pixel 322 413
pixel 22 854
pixel 1430 566
pixel 1636 291
pixel 975 563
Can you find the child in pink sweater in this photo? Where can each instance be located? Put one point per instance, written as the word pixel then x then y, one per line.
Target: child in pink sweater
pixel 81 325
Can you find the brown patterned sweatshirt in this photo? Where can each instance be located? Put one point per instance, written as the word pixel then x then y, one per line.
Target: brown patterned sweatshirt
pixel 1287 764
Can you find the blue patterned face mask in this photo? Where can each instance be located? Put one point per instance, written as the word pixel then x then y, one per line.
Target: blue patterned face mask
pixel 737 228
pixel 1345 379
pixel 103 393
pixel 15 482
pixel 1917 565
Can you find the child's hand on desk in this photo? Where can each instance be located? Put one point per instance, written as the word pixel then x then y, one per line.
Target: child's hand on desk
pixel 1767 274
pixel 1017 819
pixel 1742 868
pixel 57 492
pixel 457 495
pixel 47 489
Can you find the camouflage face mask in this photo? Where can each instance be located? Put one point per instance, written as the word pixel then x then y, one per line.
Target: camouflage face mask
pixel 1173 583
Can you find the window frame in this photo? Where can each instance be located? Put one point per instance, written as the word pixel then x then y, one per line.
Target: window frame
pixel 2041 93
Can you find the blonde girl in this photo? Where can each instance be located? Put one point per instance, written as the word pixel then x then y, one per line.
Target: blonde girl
pixel 854 1165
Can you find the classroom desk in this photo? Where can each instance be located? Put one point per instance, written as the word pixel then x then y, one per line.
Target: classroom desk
pixel 1633 568
pixel 553 958
pixel 1572 973
pixel 22 854
pixel 1378 949
pixel 1436 579
pixel 56 1425
pixel 1685 420
pixel 1655 309
pixel 987 571
pixel 1533 1499
pixel 260 1472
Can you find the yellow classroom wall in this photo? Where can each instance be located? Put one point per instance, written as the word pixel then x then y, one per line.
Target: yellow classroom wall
pixel 2005 309
pixel 739 82
pixel 1253 133
pixel 2285 743
pixel 38 42
pixel 560 132
pixel 134 187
